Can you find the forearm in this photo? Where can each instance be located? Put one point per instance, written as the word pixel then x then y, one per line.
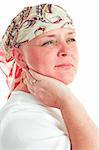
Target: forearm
pixel 83 132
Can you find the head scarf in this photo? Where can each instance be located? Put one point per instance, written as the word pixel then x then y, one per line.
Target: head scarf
pixel 28 24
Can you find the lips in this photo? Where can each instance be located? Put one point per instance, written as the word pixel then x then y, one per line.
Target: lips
pixel 65 65
pixel 62 65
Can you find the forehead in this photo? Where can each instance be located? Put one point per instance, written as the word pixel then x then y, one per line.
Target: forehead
pixel 55 32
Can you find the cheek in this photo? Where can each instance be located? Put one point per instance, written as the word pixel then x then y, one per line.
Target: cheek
pixel 75 54
pixel 46 63
pixel 42 62
pixel 32 58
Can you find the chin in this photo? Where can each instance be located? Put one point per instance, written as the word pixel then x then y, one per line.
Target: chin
pixel 66 79
pixel 65 76
pixel 66 82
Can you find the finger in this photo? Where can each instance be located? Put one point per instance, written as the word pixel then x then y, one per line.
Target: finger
pixel 30 85
pixel 29 76
pixel 31 91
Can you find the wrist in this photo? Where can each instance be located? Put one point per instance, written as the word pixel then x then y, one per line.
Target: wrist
pixel 66 96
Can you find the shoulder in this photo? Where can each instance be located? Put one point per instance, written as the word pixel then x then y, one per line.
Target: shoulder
pixel 26 123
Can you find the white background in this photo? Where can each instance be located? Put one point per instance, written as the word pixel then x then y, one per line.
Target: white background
pixel 85 16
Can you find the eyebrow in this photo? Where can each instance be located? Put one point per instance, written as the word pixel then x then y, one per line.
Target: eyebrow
pixel 53 35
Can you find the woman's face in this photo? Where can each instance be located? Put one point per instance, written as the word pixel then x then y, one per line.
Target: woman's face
pixel 53 54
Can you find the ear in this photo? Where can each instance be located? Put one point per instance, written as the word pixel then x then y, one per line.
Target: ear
pixel 19 57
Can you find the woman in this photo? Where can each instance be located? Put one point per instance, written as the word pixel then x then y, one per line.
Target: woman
pixel 40 51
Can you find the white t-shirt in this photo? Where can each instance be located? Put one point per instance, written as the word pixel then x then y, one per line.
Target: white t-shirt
pixel 26 124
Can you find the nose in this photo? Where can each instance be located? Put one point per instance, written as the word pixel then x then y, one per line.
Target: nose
pixel 64 49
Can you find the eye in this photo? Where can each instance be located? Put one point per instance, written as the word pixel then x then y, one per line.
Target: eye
pixel 48 43
pixel 70 40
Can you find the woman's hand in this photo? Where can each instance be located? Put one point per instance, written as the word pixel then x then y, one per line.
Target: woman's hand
pixel 48 90
pixel 54 93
